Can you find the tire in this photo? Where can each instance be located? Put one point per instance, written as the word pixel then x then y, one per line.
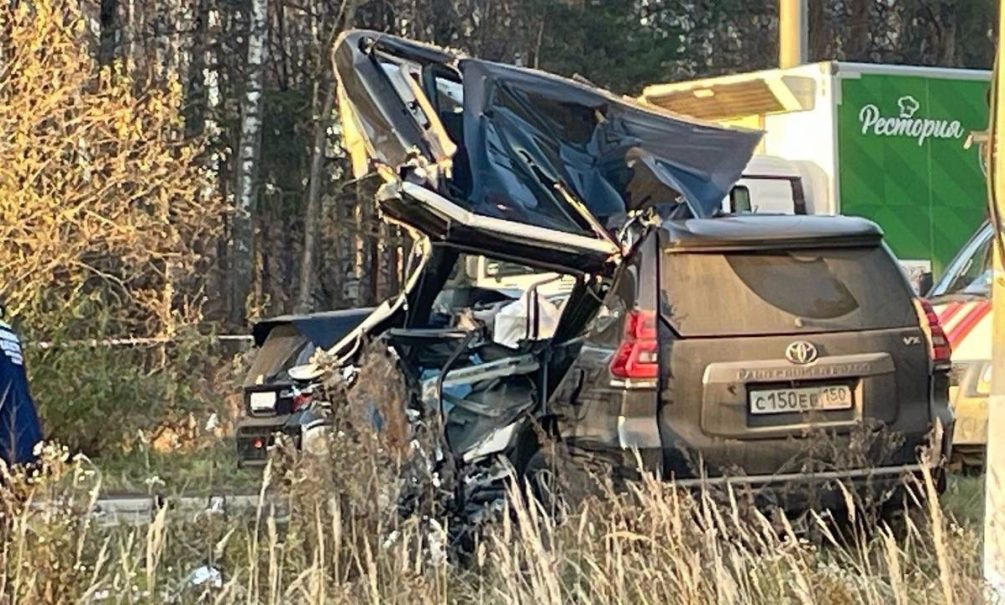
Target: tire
pixel 540 480
pixel 560 478
pixel 969 460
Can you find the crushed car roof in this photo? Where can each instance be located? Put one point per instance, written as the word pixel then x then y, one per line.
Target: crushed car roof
pixel 517 162
pixel 614 156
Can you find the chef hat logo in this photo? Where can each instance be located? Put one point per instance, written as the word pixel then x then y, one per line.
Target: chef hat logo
pixel 908 105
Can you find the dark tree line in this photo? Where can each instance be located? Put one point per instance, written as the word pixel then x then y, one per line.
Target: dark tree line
pixel 258 86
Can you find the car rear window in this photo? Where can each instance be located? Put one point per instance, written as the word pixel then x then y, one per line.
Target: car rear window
pixel 785 291
pixel 277 353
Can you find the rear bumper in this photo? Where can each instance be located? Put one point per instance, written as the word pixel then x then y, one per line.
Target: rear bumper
pixel 794 491
pixel 880 474
pixel 254 437
pixel 869 489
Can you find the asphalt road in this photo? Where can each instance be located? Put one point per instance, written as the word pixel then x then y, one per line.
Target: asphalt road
pixel 139 509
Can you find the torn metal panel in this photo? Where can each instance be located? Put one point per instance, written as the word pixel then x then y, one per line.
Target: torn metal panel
pixel 443 219
pixel 323 329
pixel 378 99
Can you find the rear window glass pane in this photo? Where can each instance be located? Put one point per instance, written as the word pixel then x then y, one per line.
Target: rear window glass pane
pixel 278 353
pixel 783 292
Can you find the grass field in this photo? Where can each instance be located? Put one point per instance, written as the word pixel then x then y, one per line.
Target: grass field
pixel 964 500
pixel 653 544
pixel 210 469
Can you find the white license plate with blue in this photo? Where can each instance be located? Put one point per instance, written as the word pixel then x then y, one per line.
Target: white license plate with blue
pixel 802 399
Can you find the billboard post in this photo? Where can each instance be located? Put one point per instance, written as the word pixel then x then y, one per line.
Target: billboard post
pixel 994 487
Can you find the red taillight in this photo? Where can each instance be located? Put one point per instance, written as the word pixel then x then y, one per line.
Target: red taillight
pixel 939 349
pixel 637 356
pixel 301 399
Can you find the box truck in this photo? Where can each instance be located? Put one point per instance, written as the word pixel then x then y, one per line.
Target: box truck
pixel 884 142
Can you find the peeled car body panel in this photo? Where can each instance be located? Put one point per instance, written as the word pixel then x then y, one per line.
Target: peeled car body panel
pixel 522 151
pixel 370 105
pixel 323 329
pixel 529 134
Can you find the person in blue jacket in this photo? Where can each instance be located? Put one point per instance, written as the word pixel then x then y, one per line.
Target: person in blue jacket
pixel 20 429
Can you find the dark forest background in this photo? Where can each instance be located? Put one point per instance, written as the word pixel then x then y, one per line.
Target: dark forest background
pixel 291 232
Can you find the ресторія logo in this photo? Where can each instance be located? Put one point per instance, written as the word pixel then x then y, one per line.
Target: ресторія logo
pixel 906 125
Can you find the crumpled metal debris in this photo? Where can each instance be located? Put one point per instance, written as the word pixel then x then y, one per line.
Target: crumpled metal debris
pixel 451 499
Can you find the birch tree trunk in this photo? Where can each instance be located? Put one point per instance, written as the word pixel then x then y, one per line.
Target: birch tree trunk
pixel 248 154
pixel 197 94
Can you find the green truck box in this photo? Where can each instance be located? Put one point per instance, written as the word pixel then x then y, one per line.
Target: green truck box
pixel 886 142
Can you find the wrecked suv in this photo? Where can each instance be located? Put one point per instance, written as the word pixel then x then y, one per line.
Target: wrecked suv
pixel 768 350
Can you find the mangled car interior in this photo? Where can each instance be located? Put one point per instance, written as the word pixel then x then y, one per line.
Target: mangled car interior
pixel 577 186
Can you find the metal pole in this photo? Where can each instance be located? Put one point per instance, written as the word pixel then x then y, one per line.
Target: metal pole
pixel 994 486
pixel 792 33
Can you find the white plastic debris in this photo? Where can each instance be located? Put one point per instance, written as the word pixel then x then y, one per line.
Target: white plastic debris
pixel 437 543
pixel 205 576
pixel 391 540
pixel 349 372
pixel 516 321
pixel 215 506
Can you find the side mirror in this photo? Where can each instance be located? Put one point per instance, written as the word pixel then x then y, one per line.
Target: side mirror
pixel 739 200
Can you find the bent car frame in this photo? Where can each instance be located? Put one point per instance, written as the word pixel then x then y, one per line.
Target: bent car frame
pixel 703 346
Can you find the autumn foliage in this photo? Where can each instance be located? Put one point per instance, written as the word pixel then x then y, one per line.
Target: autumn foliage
pixel 105 209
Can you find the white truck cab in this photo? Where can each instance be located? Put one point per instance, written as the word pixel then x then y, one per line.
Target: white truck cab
pixel 484 272
pixel 769 185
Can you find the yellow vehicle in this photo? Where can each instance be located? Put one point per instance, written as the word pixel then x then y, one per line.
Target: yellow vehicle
pixel 962 300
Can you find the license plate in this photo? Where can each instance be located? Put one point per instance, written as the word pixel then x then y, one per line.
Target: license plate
pixel 263 401
pixel 804 399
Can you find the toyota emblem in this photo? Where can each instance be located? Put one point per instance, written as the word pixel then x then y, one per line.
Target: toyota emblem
pixel 801 352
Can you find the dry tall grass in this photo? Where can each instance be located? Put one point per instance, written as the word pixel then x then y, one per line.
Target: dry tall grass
pixel 653 544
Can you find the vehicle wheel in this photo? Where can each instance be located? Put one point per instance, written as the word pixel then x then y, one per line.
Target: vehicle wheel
pixel 540 477
pixel 560 478
pixel 969 460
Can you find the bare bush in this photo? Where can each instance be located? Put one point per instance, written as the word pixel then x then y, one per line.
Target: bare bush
pixel 103 206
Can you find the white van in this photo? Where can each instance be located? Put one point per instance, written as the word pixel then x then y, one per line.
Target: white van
pixel 769 185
